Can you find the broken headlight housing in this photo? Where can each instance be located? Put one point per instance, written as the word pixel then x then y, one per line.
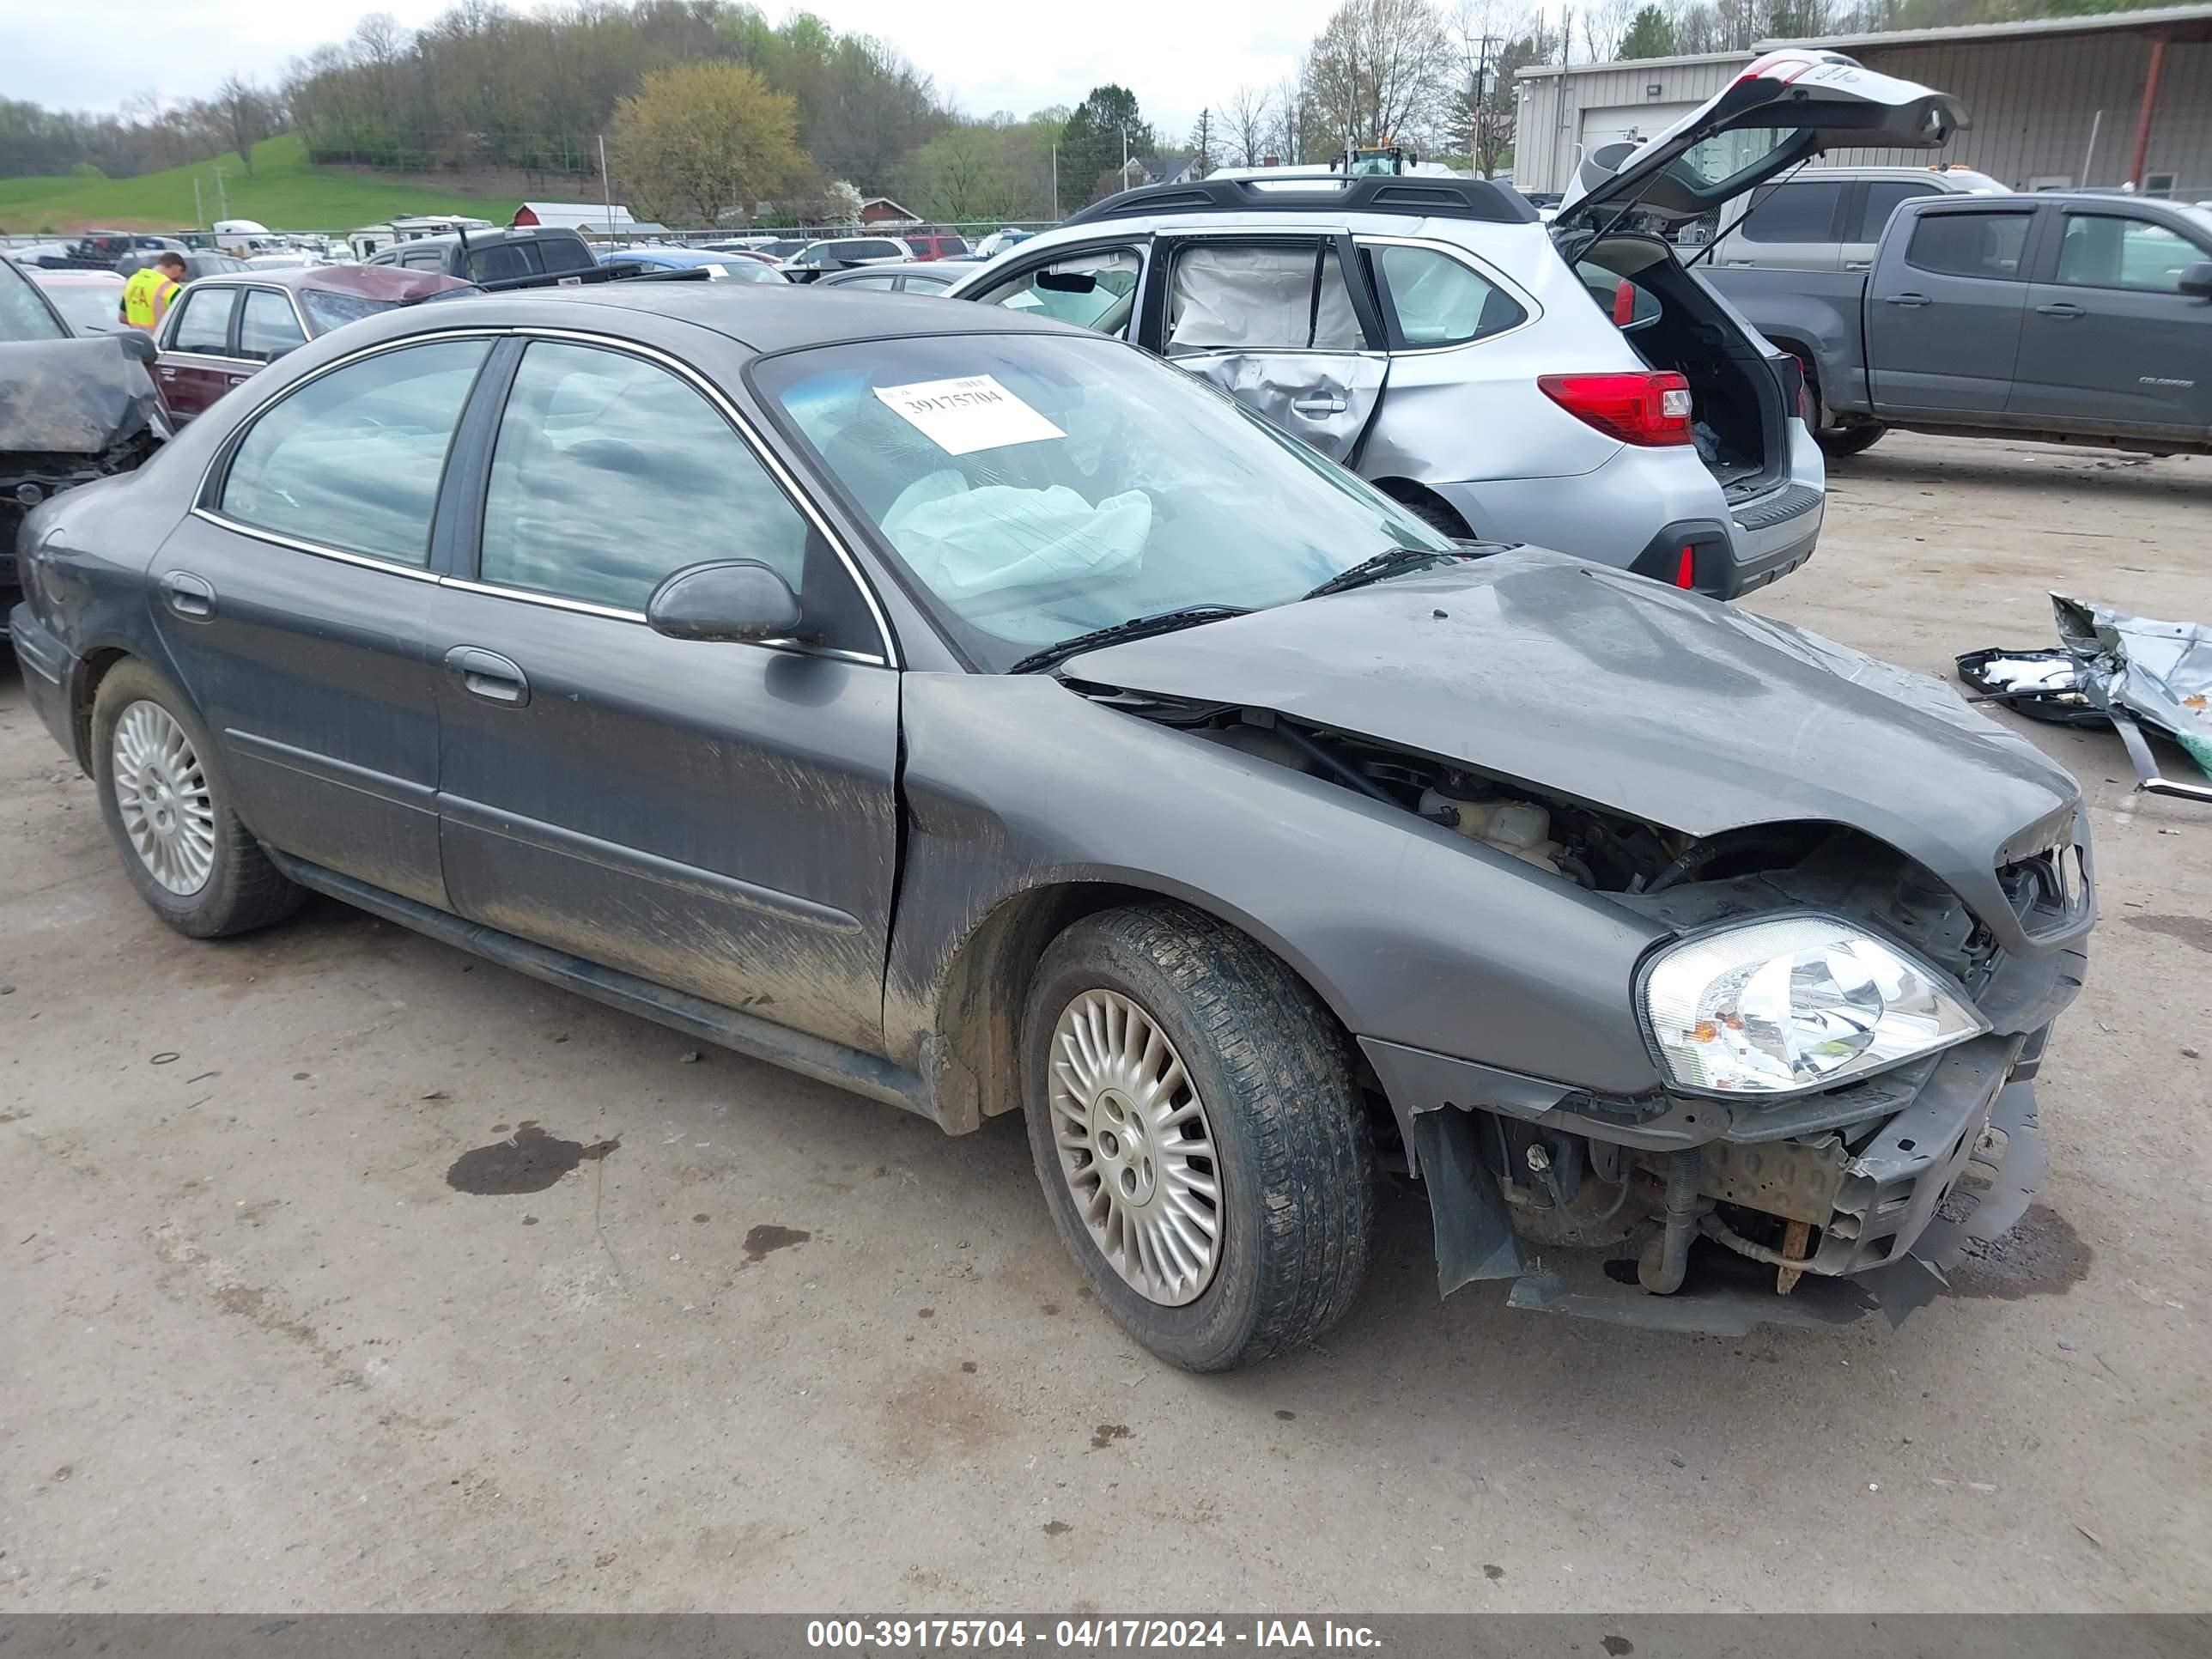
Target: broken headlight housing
pixel 1794 1003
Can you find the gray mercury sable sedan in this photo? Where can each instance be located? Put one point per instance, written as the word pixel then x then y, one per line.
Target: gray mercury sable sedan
pixel 986 716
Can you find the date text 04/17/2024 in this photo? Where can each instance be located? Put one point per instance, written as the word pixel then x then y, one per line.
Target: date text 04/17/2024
pixel 1084 1635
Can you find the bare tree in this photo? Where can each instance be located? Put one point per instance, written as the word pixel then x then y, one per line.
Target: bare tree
pixel 246 114
pixel 1374 71
pixel 1245 122
pixel 1604 22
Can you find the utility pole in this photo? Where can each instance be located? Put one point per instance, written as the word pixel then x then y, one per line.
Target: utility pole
pixel 222 195
pixel 199 214
pixel 606 187
pixel 1122 181
pixel 1055 184
pixel 1477 151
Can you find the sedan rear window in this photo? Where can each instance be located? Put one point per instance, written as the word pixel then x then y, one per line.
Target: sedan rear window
pixel 327 308
pixel 352 460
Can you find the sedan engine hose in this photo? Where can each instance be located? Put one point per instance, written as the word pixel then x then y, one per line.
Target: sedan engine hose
pixel 1667 1258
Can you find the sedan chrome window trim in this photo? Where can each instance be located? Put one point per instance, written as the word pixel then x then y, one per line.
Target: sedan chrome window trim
pixel 492 590
pixel 616 613
pixel 367 561
pixel 747 434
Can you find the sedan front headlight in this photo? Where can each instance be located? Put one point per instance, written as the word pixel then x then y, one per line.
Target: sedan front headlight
pixel 1796 1003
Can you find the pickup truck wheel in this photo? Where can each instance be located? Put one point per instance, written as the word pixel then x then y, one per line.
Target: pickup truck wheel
pixel 167 806
pixel 1193 1123
pixel 1838 442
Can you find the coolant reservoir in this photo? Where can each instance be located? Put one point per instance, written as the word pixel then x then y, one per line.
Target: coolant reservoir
pixel 1519 826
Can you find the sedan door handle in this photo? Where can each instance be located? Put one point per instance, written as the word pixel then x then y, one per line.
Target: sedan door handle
pixel 191 596
pixel 1858 265
pixel 487 675
pixel 1318 403
pixel 2061 308
pixel 1905 299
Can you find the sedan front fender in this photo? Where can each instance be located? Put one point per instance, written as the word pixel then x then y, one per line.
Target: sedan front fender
pixel 1016 786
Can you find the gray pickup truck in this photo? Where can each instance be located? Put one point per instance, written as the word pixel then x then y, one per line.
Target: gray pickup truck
pixel 2073 316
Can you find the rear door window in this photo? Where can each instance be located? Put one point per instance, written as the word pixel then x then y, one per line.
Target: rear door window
pixel 267 328
pixel 2104 250
pixel 502 260
pixel 563 254
pixel 1284 297
pixel 1883 197
pixel 1439 301
pixel 1804 211
pixel 352 460
pixel 203 321
pixel 1985 244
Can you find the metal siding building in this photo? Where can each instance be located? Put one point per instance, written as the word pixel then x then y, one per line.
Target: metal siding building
pixel 2054 102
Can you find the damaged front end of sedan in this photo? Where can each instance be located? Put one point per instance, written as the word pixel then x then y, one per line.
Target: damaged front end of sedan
pixel 1842 1049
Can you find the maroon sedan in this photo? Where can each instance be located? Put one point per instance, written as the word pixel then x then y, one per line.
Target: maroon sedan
pixel 221 329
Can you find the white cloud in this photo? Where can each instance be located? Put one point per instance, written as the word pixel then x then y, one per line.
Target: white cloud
pixel 986 55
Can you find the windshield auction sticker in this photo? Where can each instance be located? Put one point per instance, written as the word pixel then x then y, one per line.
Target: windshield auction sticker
pixel 964 415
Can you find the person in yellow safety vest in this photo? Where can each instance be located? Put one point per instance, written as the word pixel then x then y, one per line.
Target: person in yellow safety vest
pixel 147 295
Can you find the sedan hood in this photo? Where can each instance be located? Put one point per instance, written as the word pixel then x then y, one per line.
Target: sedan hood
pixel 1575 679
pixel 79 397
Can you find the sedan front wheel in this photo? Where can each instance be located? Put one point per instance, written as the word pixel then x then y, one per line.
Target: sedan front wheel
pixel 1196 1128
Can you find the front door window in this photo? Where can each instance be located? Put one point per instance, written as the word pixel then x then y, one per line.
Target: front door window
pixel 1096 290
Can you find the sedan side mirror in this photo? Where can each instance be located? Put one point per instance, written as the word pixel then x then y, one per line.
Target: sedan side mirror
pixel 2196 280
pixel 739 599
pixel 138 345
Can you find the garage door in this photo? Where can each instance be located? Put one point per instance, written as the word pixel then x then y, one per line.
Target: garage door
pixel 1609 124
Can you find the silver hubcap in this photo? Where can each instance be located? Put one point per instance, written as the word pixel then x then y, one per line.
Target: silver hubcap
pixel 1135 1147
pixel 168 811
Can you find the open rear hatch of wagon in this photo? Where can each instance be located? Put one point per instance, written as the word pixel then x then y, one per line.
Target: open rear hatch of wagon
pixel 1784 108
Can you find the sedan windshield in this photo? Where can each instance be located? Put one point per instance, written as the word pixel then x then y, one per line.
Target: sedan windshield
pixel 90 306
pixel 1041 486
pixel 23 314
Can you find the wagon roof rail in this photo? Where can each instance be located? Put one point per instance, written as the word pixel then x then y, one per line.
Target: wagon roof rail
pixel 1480 199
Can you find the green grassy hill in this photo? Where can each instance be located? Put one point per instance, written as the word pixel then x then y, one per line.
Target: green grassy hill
pixel 285 193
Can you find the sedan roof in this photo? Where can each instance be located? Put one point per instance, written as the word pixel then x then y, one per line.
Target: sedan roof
pixel 765 318
pixel 391 282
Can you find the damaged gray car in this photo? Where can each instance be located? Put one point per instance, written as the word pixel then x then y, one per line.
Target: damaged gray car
pixel 986 717
pixel 71 409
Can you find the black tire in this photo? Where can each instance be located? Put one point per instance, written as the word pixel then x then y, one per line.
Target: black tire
pixel 1295 1165
pixel 1839 441
pixel 243 889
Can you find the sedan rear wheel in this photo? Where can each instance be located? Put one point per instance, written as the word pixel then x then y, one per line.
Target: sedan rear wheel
pixel 162 793
pixel 1194 1125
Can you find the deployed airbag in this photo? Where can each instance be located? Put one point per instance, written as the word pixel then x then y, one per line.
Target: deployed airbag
pixel 962 541
pixel 1230 297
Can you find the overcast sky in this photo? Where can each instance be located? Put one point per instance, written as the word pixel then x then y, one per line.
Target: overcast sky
pixel 1176 56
